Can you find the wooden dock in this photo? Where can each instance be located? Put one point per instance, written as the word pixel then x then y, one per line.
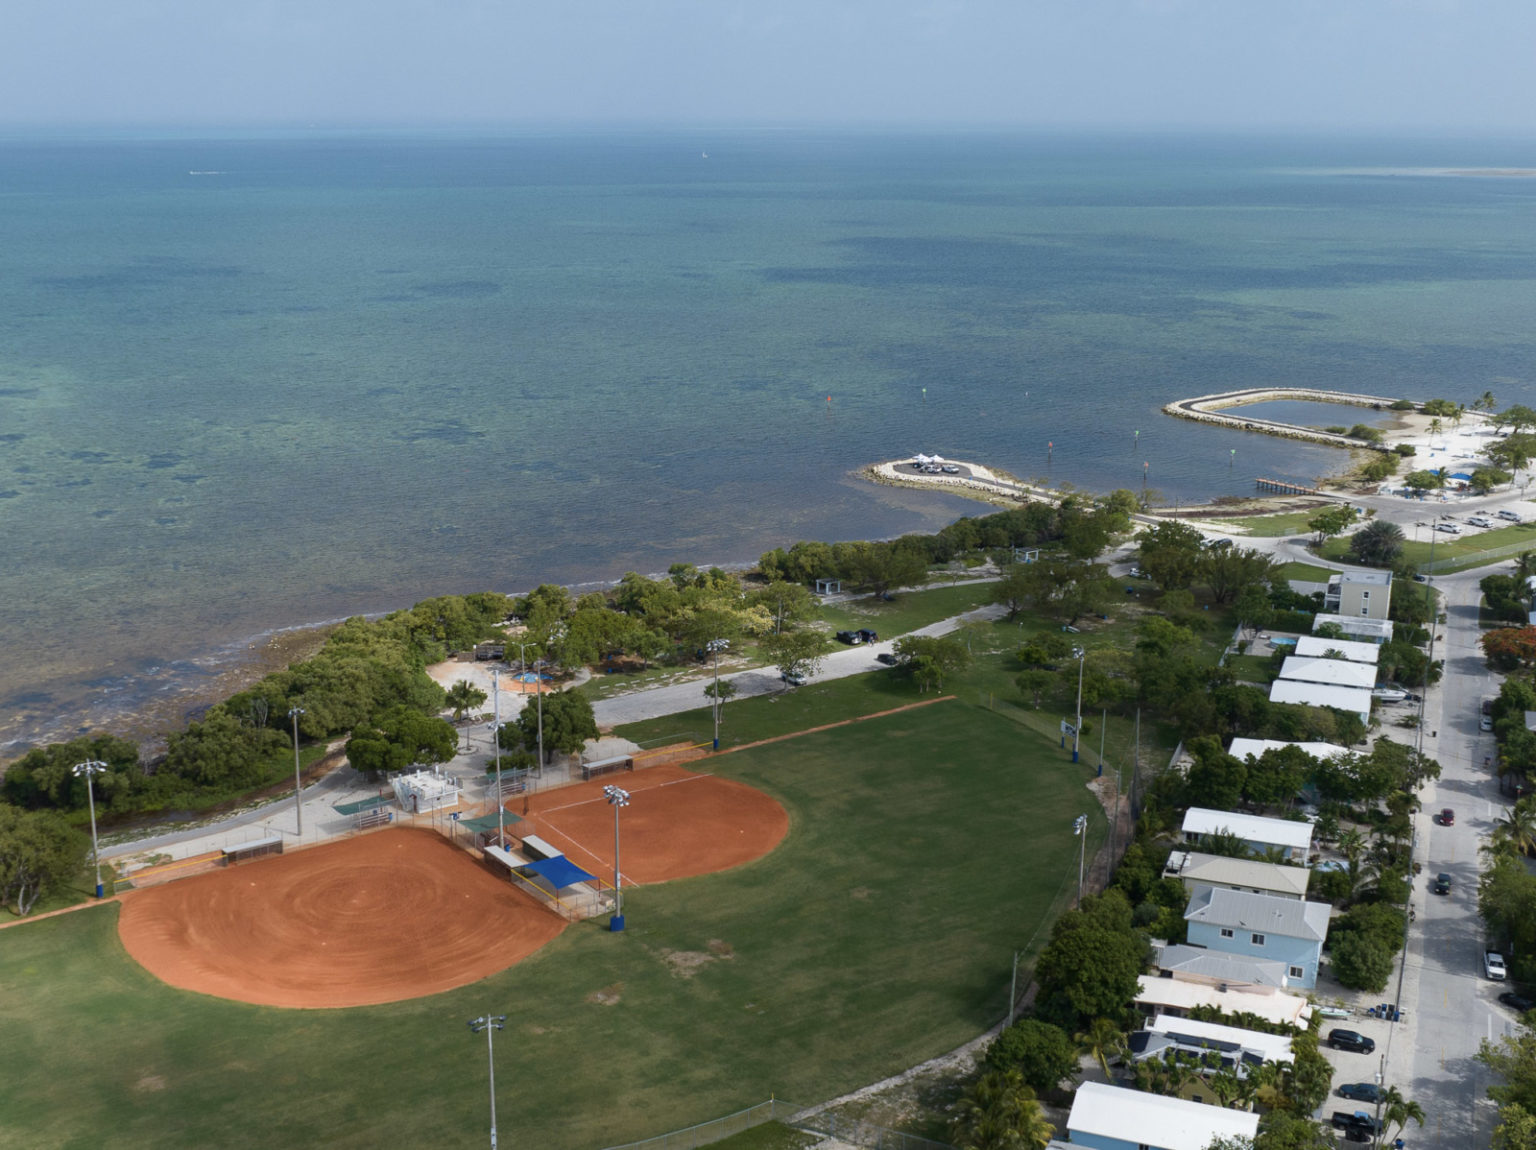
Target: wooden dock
pixel 1284 488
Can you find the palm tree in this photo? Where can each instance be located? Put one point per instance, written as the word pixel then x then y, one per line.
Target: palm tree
pixel 1461 413
pixel 1103 1039
pixel 1517 829
pixel 1397 1111
pixel 1270 1081
pixel 1486 403
pixel 1435 427
pixel 1000 1112
pixel 464 696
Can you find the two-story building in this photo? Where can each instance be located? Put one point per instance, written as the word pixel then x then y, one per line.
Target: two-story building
pixel 1114 1118
pixel 1179 962
pixel 1359 594
pixel 1284 930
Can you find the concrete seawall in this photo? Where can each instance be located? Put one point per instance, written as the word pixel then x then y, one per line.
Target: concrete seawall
pixel 1207 409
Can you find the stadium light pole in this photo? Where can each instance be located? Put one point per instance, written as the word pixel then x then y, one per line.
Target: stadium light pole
pixel 298 782
pixel 490 1023
pixel 714 647
pixel 89 769
pixel 1080 829
pixel 617 797
pixel 538 690
pixel 1077 733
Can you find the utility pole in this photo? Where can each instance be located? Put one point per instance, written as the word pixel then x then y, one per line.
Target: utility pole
pixel 90 769
pixel 298 783
pixel 501 817
pixel 490 1023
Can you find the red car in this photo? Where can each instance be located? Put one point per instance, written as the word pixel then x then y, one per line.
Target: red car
pixel 1447 817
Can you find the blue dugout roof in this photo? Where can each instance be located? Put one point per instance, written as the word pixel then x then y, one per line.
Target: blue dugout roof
pixel 560 871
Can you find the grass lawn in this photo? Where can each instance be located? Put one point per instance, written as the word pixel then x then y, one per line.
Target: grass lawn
pixel 768 1136
pixel 909 611
pixel 1273 526
pixel 1305 572
pixel 1252 668
pixel 1469 549
pixel 924 848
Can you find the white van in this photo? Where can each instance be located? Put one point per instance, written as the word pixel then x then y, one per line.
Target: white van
pixel 1509 515
pixel 1479 521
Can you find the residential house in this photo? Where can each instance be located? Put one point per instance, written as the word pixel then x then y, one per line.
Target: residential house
pixel 1330 672
pixel 1287 930
pixel 1228 1047
pixel 1115 1118
pixel 1176 997
pixel 1261 835
pixel 1359 594
pixel 1312 647
pixel 1195 870
pixel 1355 699
pixel 1361 628
pixel 1205 967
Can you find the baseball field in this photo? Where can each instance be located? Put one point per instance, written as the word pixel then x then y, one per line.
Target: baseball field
pixel 921 850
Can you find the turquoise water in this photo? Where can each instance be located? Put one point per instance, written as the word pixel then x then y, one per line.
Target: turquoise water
pixel 261 382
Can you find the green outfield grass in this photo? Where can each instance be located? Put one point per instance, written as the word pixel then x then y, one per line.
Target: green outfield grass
pixel 924 849
pixel 908 611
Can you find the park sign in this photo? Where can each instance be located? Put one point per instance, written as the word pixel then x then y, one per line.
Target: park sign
pixel 1068 729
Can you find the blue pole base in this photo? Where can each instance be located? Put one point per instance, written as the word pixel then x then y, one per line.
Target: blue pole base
pixel 1063 742
pixel 1099 774
pixel 99 890
pixel 616 923
pixel 1074 756
pixel 717 744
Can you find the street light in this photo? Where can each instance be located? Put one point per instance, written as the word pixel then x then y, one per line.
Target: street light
pixel 501 822
pixel 89 769
pixel 617 797
pixel 298 783
pixel 714 647
pixel 490 1023
pixel 538 690
pixel 1078 732
pixel 1080 829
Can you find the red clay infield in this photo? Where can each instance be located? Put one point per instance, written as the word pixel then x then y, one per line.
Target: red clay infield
pixel 677 824
pixel 399 914
pixel 390 915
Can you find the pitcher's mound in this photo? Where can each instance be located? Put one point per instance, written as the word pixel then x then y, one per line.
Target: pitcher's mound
pixel 386 916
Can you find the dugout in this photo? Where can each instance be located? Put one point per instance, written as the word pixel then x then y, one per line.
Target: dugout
pixel 483 830
pixel 255 849
pixel 592 770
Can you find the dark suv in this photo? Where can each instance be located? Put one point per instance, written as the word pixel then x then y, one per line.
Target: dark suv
pixel 1351 1040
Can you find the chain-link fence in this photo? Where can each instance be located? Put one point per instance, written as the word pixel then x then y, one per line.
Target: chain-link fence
pixel 828 1123
pixel 1476 559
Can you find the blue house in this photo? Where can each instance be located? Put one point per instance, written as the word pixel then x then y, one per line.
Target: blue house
pixel 1286 930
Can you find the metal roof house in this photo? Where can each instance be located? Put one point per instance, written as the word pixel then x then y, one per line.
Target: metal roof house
pixel 1234 1047
pixel 1312 647
pixel 1260 834
pixel 1195 870
pixel 1175 997
pixel 1356 699
pixel 1331 672
pixel 1357 627
pixel 1288 930
pixel 1243 748
pixel 1115 1118
pixel 1204 966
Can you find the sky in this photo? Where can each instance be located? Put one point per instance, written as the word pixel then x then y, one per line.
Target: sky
pixel 1443 65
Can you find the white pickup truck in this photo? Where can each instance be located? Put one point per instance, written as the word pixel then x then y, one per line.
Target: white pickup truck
pixel 1493 966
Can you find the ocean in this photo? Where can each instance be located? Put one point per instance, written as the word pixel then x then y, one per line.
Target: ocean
pixel 262 381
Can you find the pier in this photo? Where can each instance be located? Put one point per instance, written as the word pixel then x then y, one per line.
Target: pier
pixel 1281 487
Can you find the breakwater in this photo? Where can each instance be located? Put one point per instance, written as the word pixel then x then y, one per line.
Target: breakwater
pixel 1208 409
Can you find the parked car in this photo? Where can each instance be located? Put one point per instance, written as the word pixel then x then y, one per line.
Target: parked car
pixel 1479 521
pixel 1447 817
pixel 887 658
pixel 951 469
pixel 1351 1040
pixel 1442 883
pixel 869 636
pixel 1493 966
pixel 1510 516
pixel 1359 1120
pixel 794 680
pixel 1218 544
pixel 852 638
pixel 1448 528
pixel 1361 1091
pixel 1517 1001
pixel 1485 722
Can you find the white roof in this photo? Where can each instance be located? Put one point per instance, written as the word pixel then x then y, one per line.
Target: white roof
pixel 1250 874
pixel 1356 699
pixel 1333 672
pixel 1311 647
pixel 1242 748
pixel 1249 828
pixel 1271 1047
pixel 1154 1120
pixel 1268 1003
pixel 1261 913
pixel 1376 630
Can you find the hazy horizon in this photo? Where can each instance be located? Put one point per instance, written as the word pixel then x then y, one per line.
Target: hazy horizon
pixel 1128 65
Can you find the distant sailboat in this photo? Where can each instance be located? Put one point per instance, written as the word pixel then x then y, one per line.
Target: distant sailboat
pixel 706 155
